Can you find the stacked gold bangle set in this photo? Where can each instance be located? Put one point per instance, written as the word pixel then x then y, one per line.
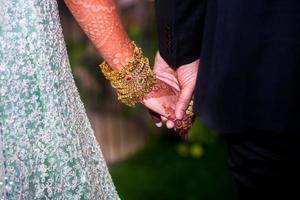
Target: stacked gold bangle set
pixel 133 81
pixel 136 79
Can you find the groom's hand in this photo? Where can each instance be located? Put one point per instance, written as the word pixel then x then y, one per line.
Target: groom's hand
pixel 165 73
pixel 183 80
pixel 186 76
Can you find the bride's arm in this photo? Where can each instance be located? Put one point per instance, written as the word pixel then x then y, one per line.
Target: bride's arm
pixel 100 21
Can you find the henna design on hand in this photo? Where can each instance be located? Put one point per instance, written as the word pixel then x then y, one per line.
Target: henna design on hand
pixel 160 89
pixel 182 126
pixel 170 112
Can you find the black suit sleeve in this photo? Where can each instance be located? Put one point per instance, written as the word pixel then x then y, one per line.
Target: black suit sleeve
pixel 180 30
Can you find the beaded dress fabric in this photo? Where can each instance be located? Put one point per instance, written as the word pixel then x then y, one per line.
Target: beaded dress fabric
pixel 47 146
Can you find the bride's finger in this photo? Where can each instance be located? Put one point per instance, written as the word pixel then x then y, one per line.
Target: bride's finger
pixel 170 124
pixel 171 82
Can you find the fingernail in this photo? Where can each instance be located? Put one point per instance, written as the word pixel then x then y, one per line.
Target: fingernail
pixel 159 124
pixel 170 125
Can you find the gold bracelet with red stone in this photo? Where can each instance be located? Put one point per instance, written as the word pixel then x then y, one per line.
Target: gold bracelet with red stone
pixel 133 81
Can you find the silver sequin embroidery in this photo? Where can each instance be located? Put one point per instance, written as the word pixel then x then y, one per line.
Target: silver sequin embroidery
pixel 47 146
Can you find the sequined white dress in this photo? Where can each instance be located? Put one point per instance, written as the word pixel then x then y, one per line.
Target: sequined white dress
pixel 47 146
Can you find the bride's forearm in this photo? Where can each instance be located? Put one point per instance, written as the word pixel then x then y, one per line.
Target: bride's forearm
pixel 100 21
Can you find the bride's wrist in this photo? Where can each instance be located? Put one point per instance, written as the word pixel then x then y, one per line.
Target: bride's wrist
pixel 118 56
pixel 133 80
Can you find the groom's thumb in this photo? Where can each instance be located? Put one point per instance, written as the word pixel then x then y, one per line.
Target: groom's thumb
pixel 184 99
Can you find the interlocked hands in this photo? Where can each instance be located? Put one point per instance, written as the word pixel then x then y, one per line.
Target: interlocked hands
pixel 173 94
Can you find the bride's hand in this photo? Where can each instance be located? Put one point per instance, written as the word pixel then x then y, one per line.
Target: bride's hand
pixel 162 101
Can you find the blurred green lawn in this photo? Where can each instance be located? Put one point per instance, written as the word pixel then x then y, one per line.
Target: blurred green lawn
pixel 159 172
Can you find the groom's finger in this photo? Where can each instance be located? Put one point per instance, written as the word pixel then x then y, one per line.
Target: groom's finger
pixel 184 99
pixel 156 118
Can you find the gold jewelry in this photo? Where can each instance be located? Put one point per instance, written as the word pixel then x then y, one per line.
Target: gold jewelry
pixel 189 111
pixel 134 80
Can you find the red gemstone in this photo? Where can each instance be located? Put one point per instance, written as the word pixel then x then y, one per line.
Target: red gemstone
pixel 128 78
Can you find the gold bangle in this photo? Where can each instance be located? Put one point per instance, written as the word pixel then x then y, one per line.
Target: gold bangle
pixel 189 111
pixel 133 81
